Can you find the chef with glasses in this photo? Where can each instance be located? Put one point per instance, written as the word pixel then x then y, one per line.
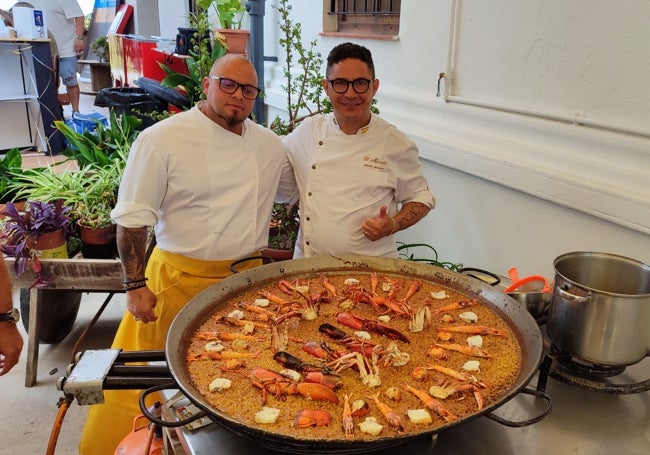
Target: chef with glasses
pixel 358 177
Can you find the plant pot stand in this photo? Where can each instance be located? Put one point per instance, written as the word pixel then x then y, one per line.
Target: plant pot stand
pixel 100 74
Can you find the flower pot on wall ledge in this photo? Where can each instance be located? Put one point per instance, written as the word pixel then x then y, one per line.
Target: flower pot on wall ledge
pixel 237 40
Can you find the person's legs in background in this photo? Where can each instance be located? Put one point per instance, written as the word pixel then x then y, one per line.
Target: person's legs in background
pixel 68 73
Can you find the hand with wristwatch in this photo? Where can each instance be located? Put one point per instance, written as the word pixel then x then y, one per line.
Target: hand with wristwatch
pixel 11 342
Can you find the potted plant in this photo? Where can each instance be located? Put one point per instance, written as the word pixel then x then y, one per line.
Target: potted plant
pixel 100 48
pixel 230 14
pixel 38 231
pixel 100 70
pixel 202 57
pixel 283 232
pixel 92 210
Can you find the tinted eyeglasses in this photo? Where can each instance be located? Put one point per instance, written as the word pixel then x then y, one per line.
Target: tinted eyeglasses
pixel 250 92
pixel 359 85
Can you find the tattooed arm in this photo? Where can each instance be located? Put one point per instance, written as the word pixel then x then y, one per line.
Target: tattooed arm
pixel 410 214
pixel 131 244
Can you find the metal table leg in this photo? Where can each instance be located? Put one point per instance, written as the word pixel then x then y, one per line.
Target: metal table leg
pixel 33 338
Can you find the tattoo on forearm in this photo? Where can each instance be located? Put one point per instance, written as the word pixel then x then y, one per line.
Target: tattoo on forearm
pixel 131 243
pixel 410 214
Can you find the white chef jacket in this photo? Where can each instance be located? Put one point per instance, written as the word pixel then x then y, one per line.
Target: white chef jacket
pixel 208 192
pixel 344 179
pixel 59 19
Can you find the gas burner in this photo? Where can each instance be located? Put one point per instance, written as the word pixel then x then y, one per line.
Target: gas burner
pixel 563 367
pixel 584 369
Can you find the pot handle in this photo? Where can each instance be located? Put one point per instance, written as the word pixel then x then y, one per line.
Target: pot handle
pixel 562 292
pixel 468 271
pixel 159 421
pixel 525 423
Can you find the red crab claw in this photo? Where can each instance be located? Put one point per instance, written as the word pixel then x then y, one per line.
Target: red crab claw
pixel 316 349
pixel 357 323
pixel 317 392
pixel 332 381
pixel 306 418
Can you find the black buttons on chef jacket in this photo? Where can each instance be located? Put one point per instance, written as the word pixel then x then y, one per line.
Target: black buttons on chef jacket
pixel 309 194
pixel 306 218
pixel 313 166
pixel 320 142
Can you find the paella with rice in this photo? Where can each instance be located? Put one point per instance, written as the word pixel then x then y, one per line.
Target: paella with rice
pixel 354 356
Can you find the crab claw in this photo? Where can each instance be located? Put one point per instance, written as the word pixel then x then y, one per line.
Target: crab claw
pixel 306 418
pixel 331 331
pixel 317 392
pixel 332 381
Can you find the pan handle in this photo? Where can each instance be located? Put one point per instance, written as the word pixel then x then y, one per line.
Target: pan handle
pixel 469 271
pixel 266 259
pixel 159 421
pixel 525 423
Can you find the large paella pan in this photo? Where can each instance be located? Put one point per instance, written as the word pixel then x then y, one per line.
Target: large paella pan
pixel 202 307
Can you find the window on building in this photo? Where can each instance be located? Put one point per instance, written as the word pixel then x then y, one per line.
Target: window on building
pixel 369 17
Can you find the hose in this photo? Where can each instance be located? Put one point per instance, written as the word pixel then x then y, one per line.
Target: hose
pixel 63 404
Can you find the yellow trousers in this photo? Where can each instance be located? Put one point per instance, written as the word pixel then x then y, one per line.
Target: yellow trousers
pixel 174 279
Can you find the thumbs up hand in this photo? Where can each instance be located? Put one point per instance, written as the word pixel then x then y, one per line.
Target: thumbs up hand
pixel 379 226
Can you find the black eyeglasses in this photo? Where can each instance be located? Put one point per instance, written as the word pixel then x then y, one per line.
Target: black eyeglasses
pixel 360 85
pixel 229 86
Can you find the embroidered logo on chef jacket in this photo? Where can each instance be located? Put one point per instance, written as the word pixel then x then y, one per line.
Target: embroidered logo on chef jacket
pixel 374 163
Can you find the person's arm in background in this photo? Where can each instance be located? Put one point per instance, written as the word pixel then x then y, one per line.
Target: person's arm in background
pixel 79 43
pixel 11 343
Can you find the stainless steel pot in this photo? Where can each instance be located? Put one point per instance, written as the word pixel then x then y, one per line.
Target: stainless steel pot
pixel 211 299
pixel 600 311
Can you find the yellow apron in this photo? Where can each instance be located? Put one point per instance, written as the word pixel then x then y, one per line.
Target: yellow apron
pixel 174 279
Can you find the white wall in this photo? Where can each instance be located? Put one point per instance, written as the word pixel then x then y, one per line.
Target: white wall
pixel 512 189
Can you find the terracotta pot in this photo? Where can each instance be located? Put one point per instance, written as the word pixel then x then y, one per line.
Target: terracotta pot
pixel 52 244
pixel 98 243
pixel 237 40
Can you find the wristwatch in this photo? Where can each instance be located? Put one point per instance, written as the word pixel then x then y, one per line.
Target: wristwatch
pixel 12 315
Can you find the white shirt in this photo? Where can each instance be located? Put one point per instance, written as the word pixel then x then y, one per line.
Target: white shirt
pixel 209 192
pixel 344 179
pixel 59 19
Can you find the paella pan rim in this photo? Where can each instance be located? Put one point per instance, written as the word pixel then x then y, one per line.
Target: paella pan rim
pixel 208 301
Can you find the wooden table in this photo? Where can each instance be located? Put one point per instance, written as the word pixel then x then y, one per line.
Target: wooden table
pixel 76 274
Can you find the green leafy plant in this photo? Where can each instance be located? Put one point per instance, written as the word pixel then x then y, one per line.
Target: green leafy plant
pixel 90 191
pixel 231 12
pixel 285 221
pixel 202 56
pixel 100 48
pixel 408 251
pixel 302 72
pixel 105 144
pixel 11 167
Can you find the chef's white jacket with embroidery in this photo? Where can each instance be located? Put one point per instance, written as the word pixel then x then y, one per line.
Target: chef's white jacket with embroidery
pixel 344 179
